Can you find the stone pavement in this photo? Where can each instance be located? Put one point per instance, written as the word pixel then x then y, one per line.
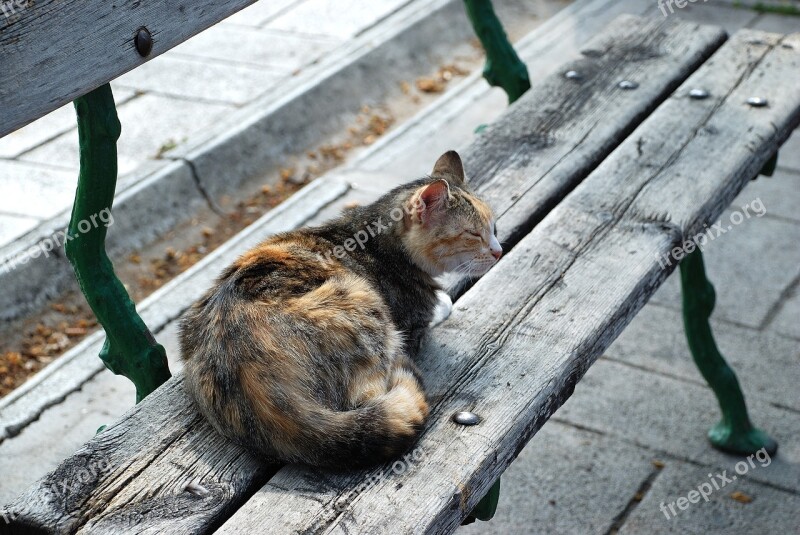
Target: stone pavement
pixel 633 434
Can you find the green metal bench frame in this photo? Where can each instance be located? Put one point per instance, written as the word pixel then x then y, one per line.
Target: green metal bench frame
pixel 131 350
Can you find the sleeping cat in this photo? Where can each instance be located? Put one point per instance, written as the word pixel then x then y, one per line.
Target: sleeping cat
pixel 301 350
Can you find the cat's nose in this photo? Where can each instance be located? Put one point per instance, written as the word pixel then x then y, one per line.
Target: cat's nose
pixel 495 248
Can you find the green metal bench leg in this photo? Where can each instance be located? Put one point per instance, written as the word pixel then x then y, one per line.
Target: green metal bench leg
pixel 734 433
pixel 503 66
pixel 130 348
pixel 487 507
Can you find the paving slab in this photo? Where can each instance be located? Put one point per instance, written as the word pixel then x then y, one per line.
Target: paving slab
pixel 750 265
pixel 38 132
pixel 787 320
pixel 789 154
pixel 770 511
pixel 149 123
pixel 780 194
pixel 14 226
pixel 260 12
pixel 335 18
pixel 190 78
pixel 672 416
pixel 777 23
pixel 34 190
pixel 48 127
pixel 567 481
pixel 767 364
pixel 284 51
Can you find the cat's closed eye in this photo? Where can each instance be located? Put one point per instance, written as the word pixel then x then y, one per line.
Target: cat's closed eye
pixel 475 233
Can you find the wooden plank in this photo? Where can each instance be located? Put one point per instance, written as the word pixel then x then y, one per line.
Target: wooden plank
pixel 518 342
pixel 681 48
pixel 161 470
pixel 53 51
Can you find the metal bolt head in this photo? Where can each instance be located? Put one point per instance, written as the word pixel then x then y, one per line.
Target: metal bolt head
pixel 573 75
pixel 757 102
pixel 698 93
pixel 143 42
pixel 466 418
pixel 627 84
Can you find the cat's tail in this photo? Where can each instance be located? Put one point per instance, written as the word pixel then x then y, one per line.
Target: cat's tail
pixel 383 428
pixel 295 428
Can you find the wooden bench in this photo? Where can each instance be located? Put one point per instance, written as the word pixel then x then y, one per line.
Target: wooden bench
pixel 596 173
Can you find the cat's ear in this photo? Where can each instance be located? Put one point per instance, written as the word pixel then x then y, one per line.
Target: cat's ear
pixel 449 165
pixel 433 200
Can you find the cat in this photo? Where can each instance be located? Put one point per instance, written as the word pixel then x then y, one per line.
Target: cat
pixel 301 351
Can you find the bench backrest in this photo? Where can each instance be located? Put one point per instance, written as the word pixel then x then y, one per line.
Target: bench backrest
pixel 53 51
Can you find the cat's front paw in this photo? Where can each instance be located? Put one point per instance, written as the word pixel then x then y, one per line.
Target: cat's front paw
pixel 442 310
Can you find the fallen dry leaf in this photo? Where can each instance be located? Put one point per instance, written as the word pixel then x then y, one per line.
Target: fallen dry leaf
pixel 741 497
pixel 75 331
pixel 429 85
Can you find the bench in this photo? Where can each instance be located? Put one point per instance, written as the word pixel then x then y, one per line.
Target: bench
pixel 597 174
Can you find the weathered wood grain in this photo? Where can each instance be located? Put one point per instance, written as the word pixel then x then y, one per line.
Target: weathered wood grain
pixel 53 51
pixel 145 480
pixel 551 138
pixel 162 469
pixel 520 339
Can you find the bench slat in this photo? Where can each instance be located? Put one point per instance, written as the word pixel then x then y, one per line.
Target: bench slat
pixel 86 44
pixel 123 491
pixel 518 342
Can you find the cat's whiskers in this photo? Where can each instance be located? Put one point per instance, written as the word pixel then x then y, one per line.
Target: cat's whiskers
pixel 467 263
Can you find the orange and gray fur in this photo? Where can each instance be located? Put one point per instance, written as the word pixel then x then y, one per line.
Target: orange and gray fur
pixel 302 349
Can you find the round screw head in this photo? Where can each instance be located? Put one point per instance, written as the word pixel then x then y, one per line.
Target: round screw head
pixel 627 84
pixel 698 93
pixel 466 418
pixel 757 102
pixel 143 42
pixel 573 75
